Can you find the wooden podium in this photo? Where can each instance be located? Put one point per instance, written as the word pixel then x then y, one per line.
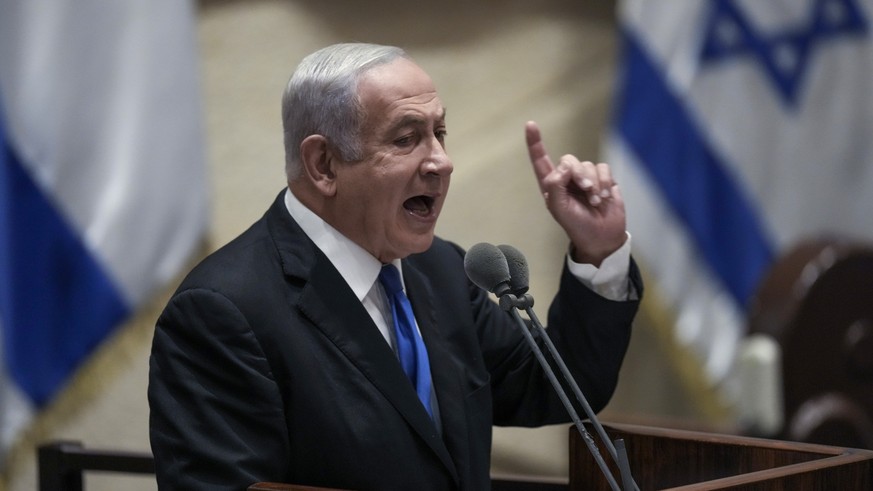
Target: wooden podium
pixel 683 460
pixel 688 460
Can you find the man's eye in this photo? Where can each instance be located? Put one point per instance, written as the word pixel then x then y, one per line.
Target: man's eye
pixel 404 140
pixel 441 135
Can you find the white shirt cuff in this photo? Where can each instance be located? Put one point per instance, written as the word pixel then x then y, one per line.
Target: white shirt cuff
pixel 611 279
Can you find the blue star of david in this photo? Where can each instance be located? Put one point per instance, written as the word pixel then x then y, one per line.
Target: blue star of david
pixel 784 55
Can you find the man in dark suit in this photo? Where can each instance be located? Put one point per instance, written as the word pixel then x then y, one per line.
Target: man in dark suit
pixel 277 359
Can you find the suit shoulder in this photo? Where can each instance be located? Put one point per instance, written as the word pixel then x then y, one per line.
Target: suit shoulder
pixel 239 262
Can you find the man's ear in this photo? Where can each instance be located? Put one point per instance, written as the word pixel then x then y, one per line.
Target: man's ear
pixel 318 159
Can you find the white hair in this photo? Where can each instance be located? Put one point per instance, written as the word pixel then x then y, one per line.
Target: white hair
pixel 322 98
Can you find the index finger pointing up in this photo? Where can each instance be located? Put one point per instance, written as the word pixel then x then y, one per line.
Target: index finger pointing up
pixel 536 150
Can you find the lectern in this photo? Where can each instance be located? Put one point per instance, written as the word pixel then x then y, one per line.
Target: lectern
pixel 663 458
pixel 682 460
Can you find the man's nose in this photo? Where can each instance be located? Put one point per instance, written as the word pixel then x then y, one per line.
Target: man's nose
pixel 438 162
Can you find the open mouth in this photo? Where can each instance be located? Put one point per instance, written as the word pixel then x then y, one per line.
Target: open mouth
pixel 420 205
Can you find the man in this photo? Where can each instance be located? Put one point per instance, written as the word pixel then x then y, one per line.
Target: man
pixel 275 359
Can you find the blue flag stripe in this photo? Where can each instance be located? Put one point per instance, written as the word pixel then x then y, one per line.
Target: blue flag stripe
pixel 691 178
pixel 56 302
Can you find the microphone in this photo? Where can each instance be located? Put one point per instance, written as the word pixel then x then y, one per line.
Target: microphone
pixel 518 271
pixel 512 293
pixel 486 266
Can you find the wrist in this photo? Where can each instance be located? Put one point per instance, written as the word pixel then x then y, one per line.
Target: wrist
pixel 594 256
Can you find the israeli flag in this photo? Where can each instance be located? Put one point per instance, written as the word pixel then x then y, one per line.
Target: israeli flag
pixel 741 127
pixel 103 192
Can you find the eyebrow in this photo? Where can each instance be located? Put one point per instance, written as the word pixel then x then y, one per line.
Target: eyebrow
pixel 414 120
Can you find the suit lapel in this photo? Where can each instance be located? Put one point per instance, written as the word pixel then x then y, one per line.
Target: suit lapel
pixel 444 372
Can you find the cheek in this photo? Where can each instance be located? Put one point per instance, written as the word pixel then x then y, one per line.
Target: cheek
pixel 374 205
pixel 373 190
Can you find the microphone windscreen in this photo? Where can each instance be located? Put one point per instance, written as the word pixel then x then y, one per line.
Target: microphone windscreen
pixel 486 267
pixel 519 277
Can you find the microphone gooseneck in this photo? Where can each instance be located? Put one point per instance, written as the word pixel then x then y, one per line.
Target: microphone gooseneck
pixel 512 294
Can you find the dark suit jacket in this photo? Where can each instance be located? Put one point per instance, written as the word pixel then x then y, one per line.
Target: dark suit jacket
pixel 266 367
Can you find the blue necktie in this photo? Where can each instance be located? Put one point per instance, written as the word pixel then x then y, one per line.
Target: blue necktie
pixel 410 347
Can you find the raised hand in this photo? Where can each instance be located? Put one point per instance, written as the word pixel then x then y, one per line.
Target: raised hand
pixel 582 197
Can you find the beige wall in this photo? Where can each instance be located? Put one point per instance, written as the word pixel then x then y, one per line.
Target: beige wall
pixel 497 65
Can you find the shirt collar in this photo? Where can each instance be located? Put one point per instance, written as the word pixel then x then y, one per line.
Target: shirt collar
pixel 357 266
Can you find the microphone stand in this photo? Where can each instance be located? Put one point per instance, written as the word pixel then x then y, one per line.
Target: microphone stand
pixel 512 303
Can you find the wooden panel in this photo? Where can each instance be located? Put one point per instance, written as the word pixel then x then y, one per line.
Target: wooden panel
pixel 667 459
